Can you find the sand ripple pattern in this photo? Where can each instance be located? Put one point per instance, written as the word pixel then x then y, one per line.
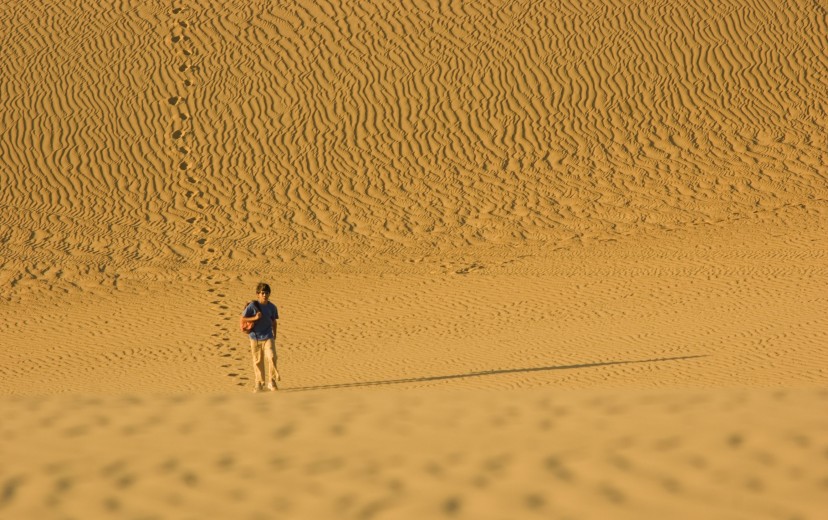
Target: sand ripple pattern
pixel 134 133
pixel 420 123
pixel 88 184
pixel 665 315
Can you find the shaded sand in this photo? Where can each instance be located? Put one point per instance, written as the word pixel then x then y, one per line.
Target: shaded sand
pixel 532 259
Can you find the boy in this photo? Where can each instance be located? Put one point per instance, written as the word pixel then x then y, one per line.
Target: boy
pixel 263 338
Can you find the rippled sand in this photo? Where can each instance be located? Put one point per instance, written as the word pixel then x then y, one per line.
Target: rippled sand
pixel 532 259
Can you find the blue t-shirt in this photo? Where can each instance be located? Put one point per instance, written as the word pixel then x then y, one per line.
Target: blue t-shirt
pixel 263 327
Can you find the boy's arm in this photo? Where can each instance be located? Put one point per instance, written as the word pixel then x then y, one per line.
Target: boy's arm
pixel 249 319
pixel 274 328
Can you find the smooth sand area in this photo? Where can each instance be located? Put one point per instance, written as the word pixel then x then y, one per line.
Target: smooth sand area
pixel 418 453
pixel 532 259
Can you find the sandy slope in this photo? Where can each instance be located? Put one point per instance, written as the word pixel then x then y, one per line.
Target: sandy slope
pixel 135 137
pixel 532 259
pixel 615 383
pixel 726 311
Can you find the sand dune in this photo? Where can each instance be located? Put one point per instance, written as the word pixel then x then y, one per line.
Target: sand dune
pixel 533 259
pixel 147 136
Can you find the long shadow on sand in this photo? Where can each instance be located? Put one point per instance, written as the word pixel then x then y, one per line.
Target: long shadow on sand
pixel 486 373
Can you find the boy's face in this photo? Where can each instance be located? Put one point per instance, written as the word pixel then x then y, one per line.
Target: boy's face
pixel 263 296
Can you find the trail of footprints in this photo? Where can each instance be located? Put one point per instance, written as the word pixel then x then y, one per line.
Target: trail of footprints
pixel 231 356
pixel 182 142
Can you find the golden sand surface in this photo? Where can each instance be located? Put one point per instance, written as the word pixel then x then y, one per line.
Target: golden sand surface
pixel 532 259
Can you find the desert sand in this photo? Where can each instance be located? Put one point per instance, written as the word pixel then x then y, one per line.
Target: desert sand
pixel 532 259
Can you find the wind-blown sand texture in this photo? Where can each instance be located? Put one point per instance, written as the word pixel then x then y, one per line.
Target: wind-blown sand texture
pixel 532 259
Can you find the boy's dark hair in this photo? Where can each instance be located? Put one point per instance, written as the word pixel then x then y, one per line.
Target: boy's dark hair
pixel 262 287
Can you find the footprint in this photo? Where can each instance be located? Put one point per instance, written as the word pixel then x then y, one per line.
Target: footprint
pixel 113 468
pixel 125 481
pixel 473 267
pixel 183 68
pixel 225 462
pixel 176 39
pixel 183 24
pixel 173 100
pixel 112 504
pixel 176 10
pixel 612 493
pixel 556 467
pixel 535 501
pixel 735 440
pixel 183 165
pixel 284 432
pixel 177 134
pixel 191 479
pixel 63 484
pixel 10 489
pixel 452 505
pixel 671 485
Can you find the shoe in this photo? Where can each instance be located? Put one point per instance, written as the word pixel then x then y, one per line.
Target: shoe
pixel 271 387
pixel 257 389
